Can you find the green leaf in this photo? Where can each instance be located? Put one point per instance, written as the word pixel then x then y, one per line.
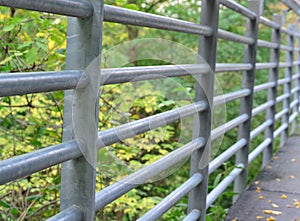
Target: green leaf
pixel 25 44
pixel 217 179
pixel 31 55
pixel 131 6
pixel 8 28
pixel 30 129
pixel 18 53
pixel 42 46
pixel 35 143
pixel 4 204
pixel 14 211
pixel 7 59
pixel 120 2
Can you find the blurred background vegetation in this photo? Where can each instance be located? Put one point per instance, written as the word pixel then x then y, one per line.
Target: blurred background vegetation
pixel 31 41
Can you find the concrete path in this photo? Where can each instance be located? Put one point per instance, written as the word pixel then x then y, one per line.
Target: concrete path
pixel 275 195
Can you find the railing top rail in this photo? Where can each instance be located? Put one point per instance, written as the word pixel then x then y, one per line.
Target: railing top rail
pixel 75 8
pixel 269 23
pixel 132 17
pixel 238 8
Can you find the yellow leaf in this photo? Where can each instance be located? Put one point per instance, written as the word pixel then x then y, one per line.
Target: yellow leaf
pixel 275 205
pixel 6 59
pixel 258 189
pixel 40 34
pixel 293 160
pixel 3 141
pixel 259 217
pixel 292 177
pixel 51 44
pixel 276 213
pixel 261 197
pixel 271 219
pixel 283 196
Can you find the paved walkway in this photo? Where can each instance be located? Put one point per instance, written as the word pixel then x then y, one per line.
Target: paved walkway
pixel 275 195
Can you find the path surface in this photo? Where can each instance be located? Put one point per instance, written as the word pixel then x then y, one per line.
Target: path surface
pixel 275 195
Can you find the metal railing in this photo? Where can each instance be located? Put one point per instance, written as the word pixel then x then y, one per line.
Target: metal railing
pixel 78 198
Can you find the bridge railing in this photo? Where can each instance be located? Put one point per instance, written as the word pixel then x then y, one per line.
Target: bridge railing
pixel 83 78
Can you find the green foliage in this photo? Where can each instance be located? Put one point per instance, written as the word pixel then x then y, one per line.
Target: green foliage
pixel 31 41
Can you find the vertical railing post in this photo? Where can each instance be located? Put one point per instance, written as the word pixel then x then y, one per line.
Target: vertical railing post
pixel 81 111
pixel 297 69
pixel 287 87
pixel 204 91
pixel 297 81
pixel 246 102
pixel 272 92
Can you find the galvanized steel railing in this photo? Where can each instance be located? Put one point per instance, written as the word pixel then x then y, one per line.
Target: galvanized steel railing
pixel 78 198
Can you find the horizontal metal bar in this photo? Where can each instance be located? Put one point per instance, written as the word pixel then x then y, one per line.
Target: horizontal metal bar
pixel 172 198
pixel 222 186
pixel 295 76
pixel 293 117
pixel 292 5
pixel 262 108
pixel 285 65
pixel 132 17
pixel 26 164
pixel 35 82
pixel 223 99
pixel 73 213
pixel 122 132
pixel 294 90
pixel 219 131
pixel 114 191
pixel 238 8
pixel 294 103
pixel 131 74
pixel 230 67
pixel 282 97
pixel 286 31
pixel 267 44
pixel 269 23
pixel 226 35
pixel 283 81
pixel 286 48
pixel 76 8
pixel 260 66
pixel 192 216
pixel 260 129
pixel 217 162
pixel 264 86
pixel 259 149
pixel 280 130
pixel 281 113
